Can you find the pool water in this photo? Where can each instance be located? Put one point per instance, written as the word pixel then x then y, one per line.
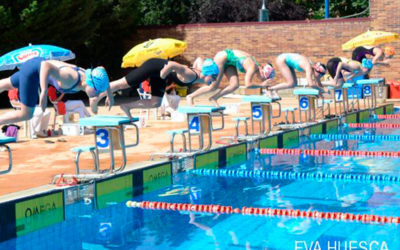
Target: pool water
pixel 119 227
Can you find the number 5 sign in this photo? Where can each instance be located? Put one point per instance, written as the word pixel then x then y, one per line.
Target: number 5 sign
pixel 257 112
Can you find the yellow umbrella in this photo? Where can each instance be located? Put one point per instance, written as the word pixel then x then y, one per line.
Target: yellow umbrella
pixel 370 38
pixel 158 48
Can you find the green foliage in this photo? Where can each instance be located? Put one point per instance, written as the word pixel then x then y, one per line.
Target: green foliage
pixel 163 12
pixel 87 27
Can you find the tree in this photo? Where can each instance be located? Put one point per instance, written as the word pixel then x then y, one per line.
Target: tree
pixel 286 10
pixel 163 12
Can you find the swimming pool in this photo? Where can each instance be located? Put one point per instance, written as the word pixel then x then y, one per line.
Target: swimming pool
pixel 119 227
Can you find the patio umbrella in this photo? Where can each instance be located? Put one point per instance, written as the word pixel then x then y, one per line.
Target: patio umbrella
pixel 164 48
pixel 370 38
pixel 16 57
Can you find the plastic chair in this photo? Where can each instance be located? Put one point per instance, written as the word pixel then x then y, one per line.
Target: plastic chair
pixel 144 96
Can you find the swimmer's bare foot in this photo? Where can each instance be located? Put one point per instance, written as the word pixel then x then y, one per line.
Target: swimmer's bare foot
pixel 189 100
pixel 214 102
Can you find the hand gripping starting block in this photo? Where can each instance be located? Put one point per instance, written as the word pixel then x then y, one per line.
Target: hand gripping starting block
pixel 261 109
pixel 4 140
pixel 108 136
pixel 369 91
pixel 308 103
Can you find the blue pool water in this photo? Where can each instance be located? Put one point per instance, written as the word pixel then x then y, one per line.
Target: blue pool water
pixel 119 227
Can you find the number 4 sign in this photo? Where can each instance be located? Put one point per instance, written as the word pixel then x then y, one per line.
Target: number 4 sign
pixel 194 124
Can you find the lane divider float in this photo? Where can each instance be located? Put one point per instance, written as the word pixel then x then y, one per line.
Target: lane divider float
pixel 389 116
pixel 286 175
pixel 355 137
pixel 268 212
pixel 329 152
pixel 372 125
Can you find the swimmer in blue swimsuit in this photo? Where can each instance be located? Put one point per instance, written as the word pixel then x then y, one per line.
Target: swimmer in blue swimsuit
pixel 36 73
pixel 288 64
pixel 230 62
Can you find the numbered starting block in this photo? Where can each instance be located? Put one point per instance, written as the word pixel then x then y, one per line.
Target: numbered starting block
pixel 200 123
pixel 341 101
pixel 261 113
pixel 4 140
pixel 308 104
pixel 369 90
pixel 108 137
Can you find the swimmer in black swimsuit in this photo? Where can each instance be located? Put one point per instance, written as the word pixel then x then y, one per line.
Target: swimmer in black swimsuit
pixel 342 69
pixel 161 72
pixel 36 73
pixel 379 56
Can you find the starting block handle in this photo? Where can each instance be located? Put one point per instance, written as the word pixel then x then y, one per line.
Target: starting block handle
pixel 137 136
pixel 9 160
pixel 280 110
pixel 221 114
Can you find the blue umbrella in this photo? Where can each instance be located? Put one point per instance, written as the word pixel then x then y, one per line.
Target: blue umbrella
pixel 16 57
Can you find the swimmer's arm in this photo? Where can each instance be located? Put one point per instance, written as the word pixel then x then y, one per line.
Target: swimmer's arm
pixel 110 98
pixel 309 77
pixel 338 71
pixel 385 62
pixel 248 80
pixel 213 86
pixel 379 54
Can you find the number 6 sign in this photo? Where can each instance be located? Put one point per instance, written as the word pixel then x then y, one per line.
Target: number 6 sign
pixel 304 103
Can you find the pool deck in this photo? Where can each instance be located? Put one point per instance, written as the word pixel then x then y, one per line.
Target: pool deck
pixel 37 161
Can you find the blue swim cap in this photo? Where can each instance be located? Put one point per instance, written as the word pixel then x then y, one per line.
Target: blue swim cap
pixel 367 63
pixel 97 78
pixel 209 68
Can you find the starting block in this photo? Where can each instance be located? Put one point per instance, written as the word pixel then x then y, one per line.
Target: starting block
pixel 200 122
pixel 369 91
pixel 105 141
pixel 4 140
pixel 341 99
pixel 308 103
pixel 261 109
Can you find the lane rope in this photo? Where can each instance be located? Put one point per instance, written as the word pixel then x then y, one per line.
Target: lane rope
pixel 268 212
pixel 329 152
pixel 372 125
pixel 286 175
pixel 355 137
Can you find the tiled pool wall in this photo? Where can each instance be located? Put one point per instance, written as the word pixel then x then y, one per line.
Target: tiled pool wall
pixel 31 213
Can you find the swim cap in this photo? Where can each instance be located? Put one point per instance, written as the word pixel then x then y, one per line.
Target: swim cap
pixel 268 71
pixel 389 51
pixel 97 78
pixel 209 67
pixel 367 63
